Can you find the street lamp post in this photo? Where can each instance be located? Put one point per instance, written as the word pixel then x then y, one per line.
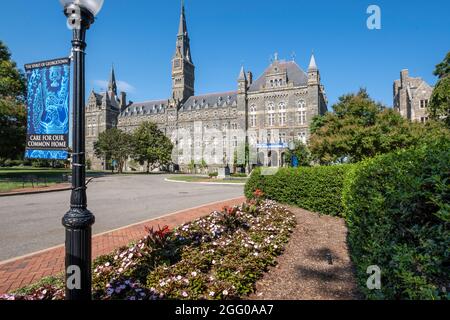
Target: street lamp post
pixel 79 220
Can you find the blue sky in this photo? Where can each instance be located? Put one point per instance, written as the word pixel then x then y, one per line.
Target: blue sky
pixel 138 36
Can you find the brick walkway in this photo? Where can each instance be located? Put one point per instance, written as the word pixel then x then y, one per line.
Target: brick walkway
pixel 23 271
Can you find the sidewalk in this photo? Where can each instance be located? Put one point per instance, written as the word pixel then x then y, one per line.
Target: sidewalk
pixel 23 271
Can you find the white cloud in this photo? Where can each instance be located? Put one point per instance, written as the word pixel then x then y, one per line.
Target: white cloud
pixel 121 86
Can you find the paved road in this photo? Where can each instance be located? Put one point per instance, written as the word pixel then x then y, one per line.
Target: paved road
pixel 33 222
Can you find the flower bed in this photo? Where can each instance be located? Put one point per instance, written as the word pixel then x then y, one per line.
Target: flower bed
pixel 220 256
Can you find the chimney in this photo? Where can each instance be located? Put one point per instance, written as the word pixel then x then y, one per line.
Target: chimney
pixel 404 75
pixel 123 100
pixel 250 78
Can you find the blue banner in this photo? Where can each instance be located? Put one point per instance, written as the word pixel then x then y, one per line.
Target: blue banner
pixel 48 109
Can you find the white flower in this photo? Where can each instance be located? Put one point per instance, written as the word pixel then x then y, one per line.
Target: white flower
pixel 179 278
pixel 107 264
pixel 225 292
pixel 212 294
pixel 184 294
pixel 194 274
pixel 214 262
pixel 256 254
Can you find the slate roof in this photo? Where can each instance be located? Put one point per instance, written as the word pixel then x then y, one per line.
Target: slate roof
pixel 144 108
pixel 294 75
pixel 213 100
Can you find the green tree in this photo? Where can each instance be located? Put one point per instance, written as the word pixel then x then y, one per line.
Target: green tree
pixel 301 152
pixel 443 69
pixel 151 146
pixel 12 107
pixel 114 144
pixel 359 128
pixel 203 165
pixel 191 166
pixel 439 107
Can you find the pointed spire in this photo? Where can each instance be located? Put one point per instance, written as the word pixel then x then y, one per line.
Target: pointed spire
pixel 112 86
pixel 242 76
pixel 182 30
pixel 312 63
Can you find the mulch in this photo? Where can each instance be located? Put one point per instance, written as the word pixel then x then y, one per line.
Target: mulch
pixel 315 266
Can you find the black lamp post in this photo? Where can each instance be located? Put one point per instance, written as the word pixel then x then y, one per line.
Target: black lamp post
pixel 79 220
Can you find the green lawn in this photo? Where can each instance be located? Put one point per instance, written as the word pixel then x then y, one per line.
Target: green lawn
pixel 12 178
pixel 183 178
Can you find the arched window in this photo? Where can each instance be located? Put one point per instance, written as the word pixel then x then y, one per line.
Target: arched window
pixel 282 110
pixel 302 112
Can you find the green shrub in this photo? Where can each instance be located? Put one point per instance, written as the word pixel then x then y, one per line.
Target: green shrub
pixel 12 163
pixel 213 174
pixel 317 189
pixel 398 212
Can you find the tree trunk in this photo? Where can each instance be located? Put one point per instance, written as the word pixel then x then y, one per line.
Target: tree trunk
pixel 148 167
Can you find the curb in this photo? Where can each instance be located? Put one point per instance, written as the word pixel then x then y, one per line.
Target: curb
pixel 14 194
pixel 22 271
pixel 114 230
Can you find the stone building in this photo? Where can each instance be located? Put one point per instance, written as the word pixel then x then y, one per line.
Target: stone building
pixel 266 113
pixel 411 97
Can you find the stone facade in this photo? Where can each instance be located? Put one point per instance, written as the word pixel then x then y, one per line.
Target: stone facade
pixel 411 97
pixel 267 113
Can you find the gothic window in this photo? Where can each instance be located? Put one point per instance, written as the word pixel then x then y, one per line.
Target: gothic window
pixel 282 110
pixel 234 126
pixel 253 116
pixel 302 112
pixel 282 137
pixel 271 112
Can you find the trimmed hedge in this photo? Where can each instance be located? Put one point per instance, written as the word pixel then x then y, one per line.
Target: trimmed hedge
pixel 317 189
pixel 397 208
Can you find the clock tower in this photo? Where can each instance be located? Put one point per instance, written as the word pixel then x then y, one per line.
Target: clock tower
pixel 183 69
